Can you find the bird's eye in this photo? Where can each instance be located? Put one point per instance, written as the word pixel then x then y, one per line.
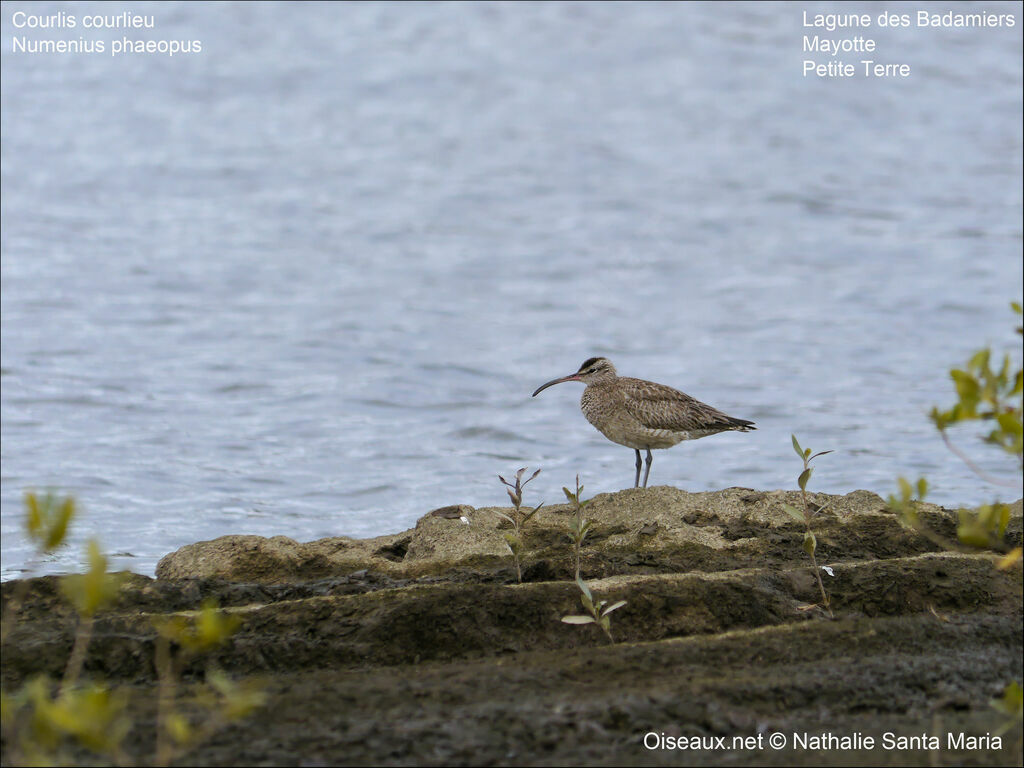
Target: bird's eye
pixel 592 370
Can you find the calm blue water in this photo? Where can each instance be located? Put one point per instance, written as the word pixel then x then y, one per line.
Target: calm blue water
pixel 304 281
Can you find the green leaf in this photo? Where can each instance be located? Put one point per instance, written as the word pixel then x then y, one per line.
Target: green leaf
pixel 59 529
pixel 583 587
pixel 922 488
pixel 178 728
pixel 213 627
pixel 577 619
pixel 199 631
pixel 613 607
pixel 532 512
pixel 1012 701
pixel 797 448
pixel 92 714
pixel 973 534
pixel 586 597
pixel 1010 423
pixel 979 360
pixel 588 603
pixel 1010 558
pixel 238 700
pixel 47 519
pixel 810 543
pixel 1004 372
pixel 968 390
pixel 33 517
pixel 568 494
pixel 908 516
pixel 92 590
pixel 941 419
pixel 804 477
pixel 795 513
pixel 1004 519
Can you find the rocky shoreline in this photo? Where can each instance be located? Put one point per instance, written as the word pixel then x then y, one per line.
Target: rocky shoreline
pixel 420 648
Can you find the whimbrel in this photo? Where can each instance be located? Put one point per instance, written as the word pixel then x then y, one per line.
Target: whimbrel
pixel 642 414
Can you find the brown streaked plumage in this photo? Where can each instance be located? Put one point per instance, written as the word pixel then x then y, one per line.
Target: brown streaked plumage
pixel 641 414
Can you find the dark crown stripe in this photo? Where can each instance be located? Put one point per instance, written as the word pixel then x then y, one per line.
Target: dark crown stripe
pixel 589 363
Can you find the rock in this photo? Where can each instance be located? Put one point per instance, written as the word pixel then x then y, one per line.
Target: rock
pixel 719 636
pixel 726 529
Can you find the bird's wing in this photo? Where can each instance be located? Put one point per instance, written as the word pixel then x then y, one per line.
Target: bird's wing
pixel 657 406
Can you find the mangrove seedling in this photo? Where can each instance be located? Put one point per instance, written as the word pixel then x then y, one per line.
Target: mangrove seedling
pixel 988 395
pixel 983 394
pixel 598 612
pixel 46 522
pixel 44 717
pixel 806 515
pixel 578 526
pixel 519 516
pixel 222 700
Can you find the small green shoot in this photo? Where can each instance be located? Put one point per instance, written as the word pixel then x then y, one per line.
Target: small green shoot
pixel 43 719
pixel 37 723
pixel 88 592
pixel 983 394
pixel 1011 704
pixel 806 516
pixel 47 518
pixel 46 522
pixel 599 614
pixel 578 526
pixel 194 633
pixel 987 394
pixel 519 517
pixel 996 396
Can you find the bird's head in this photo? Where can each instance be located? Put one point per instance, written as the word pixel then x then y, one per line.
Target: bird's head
pixel 593 371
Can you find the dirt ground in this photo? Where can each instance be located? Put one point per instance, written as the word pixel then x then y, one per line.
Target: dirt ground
pixel 420 649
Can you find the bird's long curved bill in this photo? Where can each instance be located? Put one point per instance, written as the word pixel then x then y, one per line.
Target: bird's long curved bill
pixel 542 387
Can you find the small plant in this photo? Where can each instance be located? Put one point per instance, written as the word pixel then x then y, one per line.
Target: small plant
pixel 221 700
pixel 43 718
pixel 806 516
pixel 88 592
pixel 981 528
pixel 39 717
pixel 578 526
pixel 46 522
pixel 1011 704
pixel 38 722
pixel 598 613
pixel 519 517
pixel 983 394
pixel 987 395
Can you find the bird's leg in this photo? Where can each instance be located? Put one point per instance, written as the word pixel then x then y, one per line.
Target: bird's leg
pixel 636 483
pixel 648 472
